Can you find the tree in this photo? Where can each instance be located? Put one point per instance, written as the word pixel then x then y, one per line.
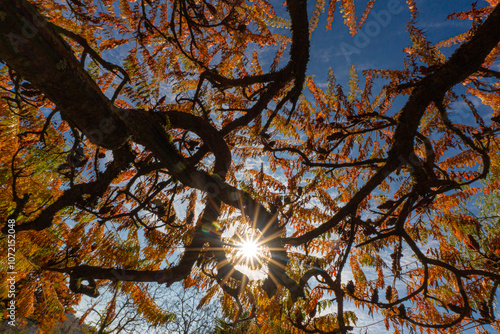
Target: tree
pixel 125 170
pixel 189 317
pixel 116 313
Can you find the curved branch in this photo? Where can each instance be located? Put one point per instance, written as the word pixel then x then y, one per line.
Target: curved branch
pixel 75 194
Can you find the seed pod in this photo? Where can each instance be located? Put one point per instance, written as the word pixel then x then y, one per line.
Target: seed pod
pixel 396 257
pixel 299 316
pixel 374 298
pixel 161 211
pixel 388 293
pixel 350 287
pixel 312 314
pixel 402 311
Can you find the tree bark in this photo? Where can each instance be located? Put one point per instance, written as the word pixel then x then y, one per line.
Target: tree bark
pixel 31 46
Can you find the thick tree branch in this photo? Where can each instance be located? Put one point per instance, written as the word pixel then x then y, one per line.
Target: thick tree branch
pixel 30 45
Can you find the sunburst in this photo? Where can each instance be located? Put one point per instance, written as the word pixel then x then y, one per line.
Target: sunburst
pixel 249 249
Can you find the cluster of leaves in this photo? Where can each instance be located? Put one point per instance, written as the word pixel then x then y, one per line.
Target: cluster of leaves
pixel 105 174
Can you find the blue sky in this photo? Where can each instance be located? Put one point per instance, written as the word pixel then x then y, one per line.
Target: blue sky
pixel 380 43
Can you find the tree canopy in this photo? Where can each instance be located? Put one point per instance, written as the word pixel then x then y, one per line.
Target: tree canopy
pixel 143 142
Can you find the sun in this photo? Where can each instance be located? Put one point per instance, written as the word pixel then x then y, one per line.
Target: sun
pixel 249 249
